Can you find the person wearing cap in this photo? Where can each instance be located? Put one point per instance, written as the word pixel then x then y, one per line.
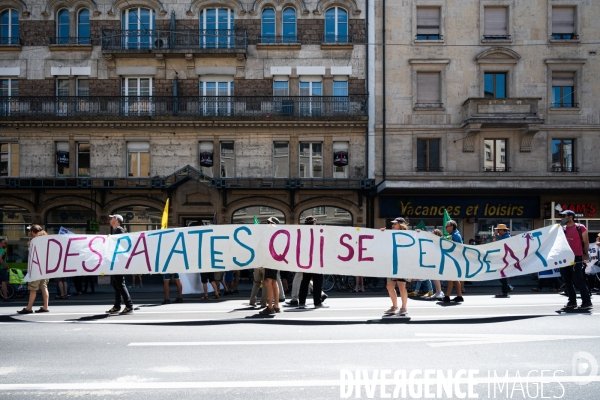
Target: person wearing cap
pixel 317 279
pixel 502 233
pixel 573 275
pixel 271 285
pixel 118 281
pixel 398 224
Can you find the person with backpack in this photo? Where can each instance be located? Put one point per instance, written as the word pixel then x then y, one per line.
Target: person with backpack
pixel 118 281
pixel 578 240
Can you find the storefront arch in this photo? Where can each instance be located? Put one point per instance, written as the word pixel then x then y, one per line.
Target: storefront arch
pixel 247 215
pixel 328 215
pixel 71 217
pixel 138 218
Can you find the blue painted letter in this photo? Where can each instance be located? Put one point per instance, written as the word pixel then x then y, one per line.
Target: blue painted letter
pixel 159 233
pixel 200 233
pixel 421 252
pixel 235 233
pixel 396 246
pixel 213 252
pixel 183 252
pixel 114 257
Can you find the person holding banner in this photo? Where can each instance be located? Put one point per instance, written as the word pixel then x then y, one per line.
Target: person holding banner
pixel 118 281
pixel 318 295
pixel 270 284
pixel 452 229
pixel 398 224
pixel 41 284
pixel 579 242
pixel 502 231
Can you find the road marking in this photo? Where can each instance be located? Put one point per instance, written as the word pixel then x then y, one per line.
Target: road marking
pixel 438 340
pixel 114 385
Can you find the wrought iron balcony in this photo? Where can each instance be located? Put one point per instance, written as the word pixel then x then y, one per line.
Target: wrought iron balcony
pixel 182 40
pixel 337 39
pixel 192 107
pixel 285 39
pixel 10 41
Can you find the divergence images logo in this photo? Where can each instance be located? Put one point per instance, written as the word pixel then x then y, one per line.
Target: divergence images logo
pixel 585 366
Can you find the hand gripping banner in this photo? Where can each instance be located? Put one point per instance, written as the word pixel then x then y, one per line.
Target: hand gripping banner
pixel 317 249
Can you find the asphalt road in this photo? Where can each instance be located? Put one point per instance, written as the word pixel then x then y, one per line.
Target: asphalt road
pixel 224 349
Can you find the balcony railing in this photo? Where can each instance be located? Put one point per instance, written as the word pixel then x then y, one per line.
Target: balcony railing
pixel 285 39
pixel 564 36
pixel 183 39
pixel 10 41
pixel 70 41
pixel 496 37
pixel 516 112
pixel 342 39
pixel 192 107
pixel 565 105
pixel 429 37
pixel 558 168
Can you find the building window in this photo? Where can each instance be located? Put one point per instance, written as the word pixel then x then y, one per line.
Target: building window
pixel 216 28
pixel 9 88
pixel 563 23
pixel 495 23
pixel 9 159
pixel 248 215
pixel 330 216
pixel 495 155
pixel 562 155
pixel 268 26
pixel 428 90
pixel 139 24
pixel 63 89
pixel 428 23
pixel 340 96
pixel 336 25
pixel 9 27
pixel 62 159
pixel 63 32
pixel 216 98
pixel 83 159
pixel 138 159
pixel 340 160
pixel 494 85
pixel 289 25
pixel 311 160
pixel 428 154
pixel 281 102
pixel 281 160
pixel 207 158
pixel 140 218
pixel 310 101
pixel 227 160
pixel 563 89
pixel 83 27
pixel 138 95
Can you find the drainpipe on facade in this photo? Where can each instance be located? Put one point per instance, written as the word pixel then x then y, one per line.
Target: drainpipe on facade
pixel 371 88
pixel 383 88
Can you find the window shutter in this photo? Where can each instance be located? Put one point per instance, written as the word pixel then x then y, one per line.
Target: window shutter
pixel 563 79
pixel 495 21
pixel 428 87
pixel 563 20
pixel 428 21
pixel 142 147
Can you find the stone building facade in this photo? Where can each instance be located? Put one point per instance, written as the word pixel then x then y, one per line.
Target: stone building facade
pixel 490 109
pixel 229 108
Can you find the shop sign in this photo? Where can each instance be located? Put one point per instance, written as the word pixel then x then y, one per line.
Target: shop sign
pixel 580 210
pixel 62 158
pixel 459 206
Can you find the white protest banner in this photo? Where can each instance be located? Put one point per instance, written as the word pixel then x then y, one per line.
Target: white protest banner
pixel 591 267
pixel 318 249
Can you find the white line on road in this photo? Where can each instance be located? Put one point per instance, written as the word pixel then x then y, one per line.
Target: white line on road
pixel 112 385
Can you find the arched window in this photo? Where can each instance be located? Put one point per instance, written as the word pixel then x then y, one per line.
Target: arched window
pixel 139 26
pixel 268 26
pixel 249 215
pixel 72 217
pixel 140 218
pixel 217 30
pixel 9 27
pixel 325 215
pixel 336 25
pixel 62 27
pixel 83 27
pixel 289 25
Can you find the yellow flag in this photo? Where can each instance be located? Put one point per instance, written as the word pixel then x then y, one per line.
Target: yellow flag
pixel 165 216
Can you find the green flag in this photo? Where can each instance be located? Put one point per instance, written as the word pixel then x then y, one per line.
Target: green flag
pixel 421 225
pixel 446 219
pixel 256 221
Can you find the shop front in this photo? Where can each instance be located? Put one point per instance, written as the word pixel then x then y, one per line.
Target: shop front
pixel 586 209
pixel 71 217
pixel 476 216
pixel 13 227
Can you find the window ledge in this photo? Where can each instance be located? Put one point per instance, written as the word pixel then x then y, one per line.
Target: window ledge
pixel 437 109
pixel 70 47
pixel 337 46
pixel 423 41
pixel 564 41
pixel 278 46
pixel 496 40
pixel 10 47
pixel 565 110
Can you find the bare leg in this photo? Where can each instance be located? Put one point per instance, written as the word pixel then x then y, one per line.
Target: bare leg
pixel 32 295
pixel 166 288
pixel 179 289
pixel 391 288
pixel 450 286
pixel 4 294
pixel 45 297
pixel 275 289
pixel 215 287
pixel 403 293
pixel 438 286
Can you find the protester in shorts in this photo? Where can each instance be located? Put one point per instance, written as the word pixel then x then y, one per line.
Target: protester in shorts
pixel 41 284
pixel 4 271
pixel 452 229
pixel 271 282
pixel 166 281
pixel 207 277
pixel 258 281
pixel 398 224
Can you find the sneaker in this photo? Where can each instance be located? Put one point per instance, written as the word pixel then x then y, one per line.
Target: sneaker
pixel 511 288
pixel 267 311
pixel 292 303
pixel 570 305
pixel 413 294
pixel 428 295
pixel 391 311
pixel 25 311
pixel 301 306
pixel 458 299
pixel 166 301
pixel 126 311
pixel 179 300
pixel 113 311
pixel 321 305
pixel 438 296
pixel 586 306
pixel 323 297
pixel 446 299
pixel 502 295
pixel 402 312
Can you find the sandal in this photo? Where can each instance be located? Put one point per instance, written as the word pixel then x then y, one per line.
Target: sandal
pixel 536 289
pixel 216 296
pixel 42 310
pixel 205 297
